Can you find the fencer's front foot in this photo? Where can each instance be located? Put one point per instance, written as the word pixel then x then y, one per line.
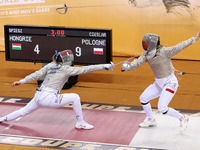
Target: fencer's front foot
pixel 84 125
pixel 147 123
pixel 184 123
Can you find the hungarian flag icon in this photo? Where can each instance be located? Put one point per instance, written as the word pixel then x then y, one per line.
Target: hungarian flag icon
pixel 16 46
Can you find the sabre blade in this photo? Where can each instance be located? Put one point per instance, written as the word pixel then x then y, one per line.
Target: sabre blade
pixel 132 56
pixel 190 73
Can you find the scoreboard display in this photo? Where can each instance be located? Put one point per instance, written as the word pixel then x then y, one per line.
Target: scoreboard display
pixel 39 43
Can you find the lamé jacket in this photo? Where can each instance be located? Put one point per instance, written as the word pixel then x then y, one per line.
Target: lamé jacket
pixel 56 75
pixel 161 63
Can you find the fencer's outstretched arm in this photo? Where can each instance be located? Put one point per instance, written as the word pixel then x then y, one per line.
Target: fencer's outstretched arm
pixel 126 66
pixel 91 68
pixel 198 36
pixel 31 77
pixel 67 71
pixel 173 50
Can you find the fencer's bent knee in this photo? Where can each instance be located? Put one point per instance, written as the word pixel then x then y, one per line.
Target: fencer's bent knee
pixel 163 109
pixel 145 103
pixel 165 112
pixel 76 97
pixel 144 100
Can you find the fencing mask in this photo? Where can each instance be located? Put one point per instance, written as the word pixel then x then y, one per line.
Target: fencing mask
pixel 66 56
pixel 150 42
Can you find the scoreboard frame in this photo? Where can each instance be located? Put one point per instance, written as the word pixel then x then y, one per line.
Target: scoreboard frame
pixel 89 45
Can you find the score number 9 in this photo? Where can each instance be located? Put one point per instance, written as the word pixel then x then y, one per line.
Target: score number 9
pixel 78 51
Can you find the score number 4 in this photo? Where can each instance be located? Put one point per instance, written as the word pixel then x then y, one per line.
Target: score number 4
pixel 36 49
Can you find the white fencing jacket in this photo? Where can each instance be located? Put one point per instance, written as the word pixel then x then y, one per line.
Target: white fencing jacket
pixel 56 75
pixel 161 63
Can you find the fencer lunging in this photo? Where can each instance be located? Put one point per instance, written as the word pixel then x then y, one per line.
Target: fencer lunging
pixel 166 83
pixel 56 75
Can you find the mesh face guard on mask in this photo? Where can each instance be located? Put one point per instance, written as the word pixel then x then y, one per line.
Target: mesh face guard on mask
pixel 150 42
pixel 65 55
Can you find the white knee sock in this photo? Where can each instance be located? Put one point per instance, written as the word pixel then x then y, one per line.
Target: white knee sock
pixel 174 113
pixel 148 110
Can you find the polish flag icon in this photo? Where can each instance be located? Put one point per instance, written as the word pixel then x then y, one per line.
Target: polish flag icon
pixel 98 51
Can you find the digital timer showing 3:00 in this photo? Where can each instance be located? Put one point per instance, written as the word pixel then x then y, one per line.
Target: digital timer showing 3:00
pixel 57 32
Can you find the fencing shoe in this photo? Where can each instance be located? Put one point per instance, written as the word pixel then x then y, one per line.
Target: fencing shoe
pixel 83 125
pixel 147 123
pixel 184 122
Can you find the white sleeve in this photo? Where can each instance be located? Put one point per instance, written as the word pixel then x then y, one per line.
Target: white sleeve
pixel 87 69
pixel 138 62
pixel 22 81
pixel 173 50
pixel 36 75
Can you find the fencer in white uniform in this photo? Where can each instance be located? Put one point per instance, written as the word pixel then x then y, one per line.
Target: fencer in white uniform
pixel 56 74
pixel 166 83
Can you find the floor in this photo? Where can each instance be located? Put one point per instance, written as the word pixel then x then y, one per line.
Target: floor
pixel 168 136
pixel 115 128
pixel 110 101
